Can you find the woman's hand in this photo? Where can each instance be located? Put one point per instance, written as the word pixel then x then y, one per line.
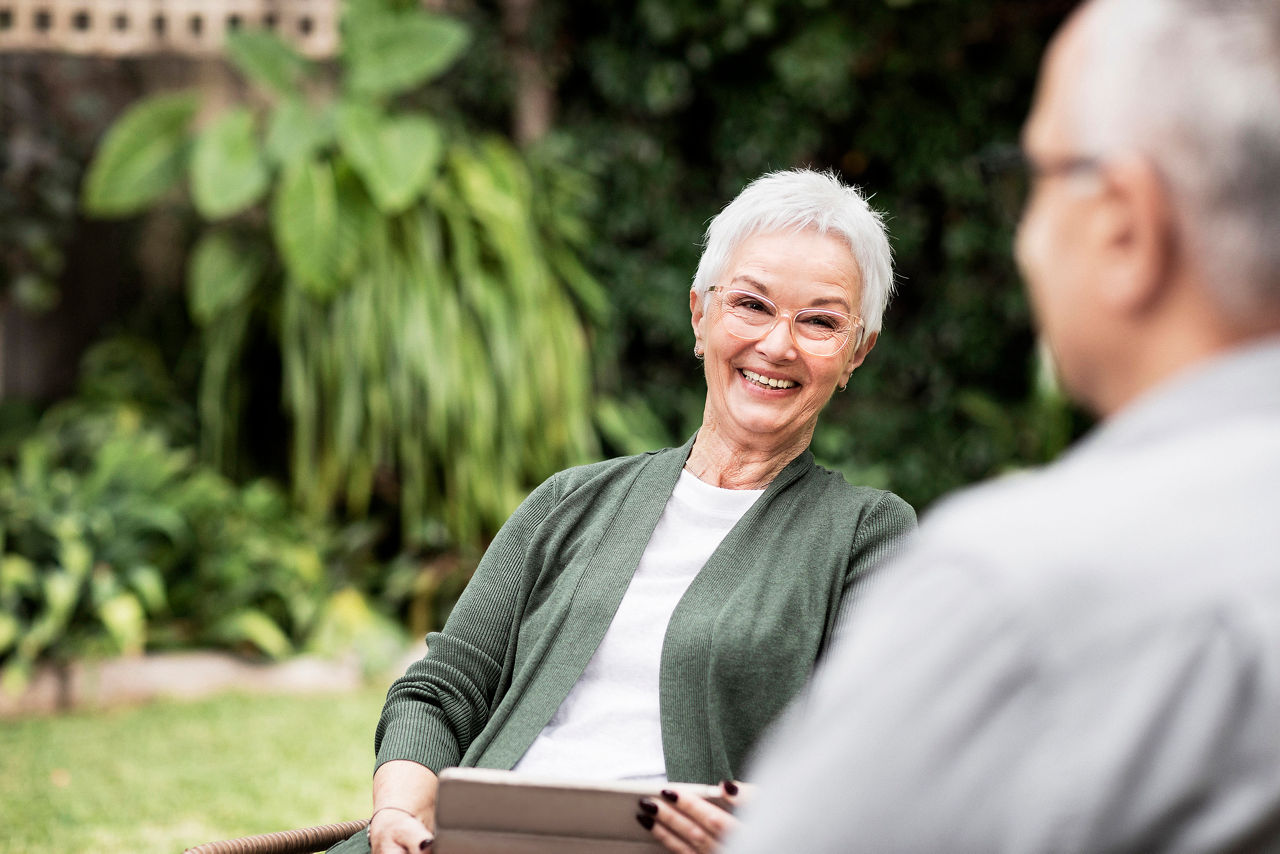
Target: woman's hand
pixel 396 831
pixel 404 808
pixel 684 822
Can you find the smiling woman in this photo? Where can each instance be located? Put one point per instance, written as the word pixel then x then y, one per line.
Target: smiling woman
pixel 647 618
pixel 767 381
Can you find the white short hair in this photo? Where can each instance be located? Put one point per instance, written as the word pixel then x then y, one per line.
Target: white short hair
pixel 797 200
pixel 1194 86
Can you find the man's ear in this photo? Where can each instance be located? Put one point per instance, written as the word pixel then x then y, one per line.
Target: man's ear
pixel 1135 231
pixel 859 355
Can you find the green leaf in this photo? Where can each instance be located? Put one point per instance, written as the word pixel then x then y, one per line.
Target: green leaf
pixel 10 628
pixel 254 627
pixel 392 52
pixel 295 132
pixel 125 621
pixel 227 169
pixel 60 593
pixel 220 275
pixel 17 575
pixel 304 219
pixel 148 583
pixel 265 59
pixel 75 556
pixel 395 157
pixel 142 157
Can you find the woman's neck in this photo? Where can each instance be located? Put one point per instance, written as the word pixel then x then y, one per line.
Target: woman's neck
pixel 729 464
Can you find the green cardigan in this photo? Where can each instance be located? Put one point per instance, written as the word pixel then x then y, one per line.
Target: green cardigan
pixel 739 647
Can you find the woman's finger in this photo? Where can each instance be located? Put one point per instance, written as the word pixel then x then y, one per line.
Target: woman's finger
pixel 670 841
pixel 684 822
pixel 737 793
pixel 395 832
pixel 708 814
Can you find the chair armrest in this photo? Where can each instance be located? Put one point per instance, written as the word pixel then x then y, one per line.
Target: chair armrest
pixel 306 840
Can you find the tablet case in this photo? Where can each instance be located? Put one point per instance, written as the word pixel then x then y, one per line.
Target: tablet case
pixel 483 811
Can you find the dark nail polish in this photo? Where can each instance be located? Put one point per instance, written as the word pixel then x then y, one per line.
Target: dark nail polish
pixel 648 806
pixel 422 846
pixel 669 796
pixel 646 821
pixel 730 787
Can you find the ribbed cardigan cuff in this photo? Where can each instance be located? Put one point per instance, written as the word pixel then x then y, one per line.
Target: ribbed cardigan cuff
pixel 418 736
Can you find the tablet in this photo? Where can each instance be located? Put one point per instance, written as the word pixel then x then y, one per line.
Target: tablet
pixel 483 811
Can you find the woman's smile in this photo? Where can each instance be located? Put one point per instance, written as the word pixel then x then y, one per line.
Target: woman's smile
pixel 772 383
pixel 768 392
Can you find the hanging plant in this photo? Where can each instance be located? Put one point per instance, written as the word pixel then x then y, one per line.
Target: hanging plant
pixel 432 331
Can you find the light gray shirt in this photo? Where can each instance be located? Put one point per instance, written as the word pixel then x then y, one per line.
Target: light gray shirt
pixel 1082 659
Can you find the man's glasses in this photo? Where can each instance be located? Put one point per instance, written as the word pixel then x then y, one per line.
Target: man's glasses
pixel 1009 174
pixel 817 331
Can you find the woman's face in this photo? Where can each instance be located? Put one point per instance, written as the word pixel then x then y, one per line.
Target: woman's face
pixel 796 270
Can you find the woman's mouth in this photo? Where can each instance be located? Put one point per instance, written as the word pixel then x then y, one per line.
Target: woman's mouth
pixel 766 382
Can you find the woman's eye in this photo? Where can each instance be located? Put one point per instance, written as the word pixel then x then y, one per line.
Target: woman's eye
pixel 821 321
pixel 752 305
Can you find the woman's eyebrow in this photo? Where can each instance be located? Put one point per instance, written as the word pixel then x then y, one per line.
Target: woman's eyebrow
pixel 745 279
pixel 763 289
pixel 836 301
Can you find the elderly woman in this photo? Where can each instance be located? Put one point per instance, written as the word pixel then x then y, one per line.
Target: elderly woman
pixel 646 618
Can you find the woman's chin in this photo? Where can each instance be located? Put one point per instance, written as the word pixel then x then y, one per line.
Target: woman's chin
pixel 775 420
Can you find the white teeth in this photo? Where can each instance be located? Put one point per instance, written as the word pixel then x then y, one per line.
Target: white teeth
pixel 769 381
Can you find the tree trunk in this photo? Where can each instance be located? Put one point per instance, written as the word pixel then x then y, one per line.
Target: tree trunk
pixel 534 105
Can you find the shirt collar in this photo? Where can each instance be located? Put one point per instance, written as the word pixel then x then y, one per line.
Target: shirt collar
pixel 1244 380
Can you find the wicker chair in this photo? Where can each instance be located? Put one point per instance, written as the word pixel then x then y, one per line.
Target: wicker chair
pixel 304 841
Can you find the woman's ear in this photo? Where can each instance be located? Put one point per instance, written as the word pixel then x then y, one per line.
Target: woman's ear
pixel 697 314
pixel 859 355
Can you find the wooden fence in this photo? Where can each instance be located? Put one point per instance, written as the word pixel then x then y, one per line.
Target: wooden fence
pixel 142 27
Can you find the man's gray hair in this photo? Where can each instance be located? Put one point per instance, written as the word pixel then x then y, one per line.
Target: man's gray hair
pixel 797 200
pixel 1194 86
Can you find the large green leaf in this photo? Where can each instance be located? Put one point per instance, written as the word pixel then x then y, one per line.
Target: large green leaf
pixel 392 52
pixel 220 275
pixel 60 592
pixel 252 626
pixel 143 156
pixel 265 59
pixel 295 132
pixel 227 169
pixel 10 628
pixel 17 575
pixel 148 583
pixel 123 617
pixel 304 219
pixel 395 157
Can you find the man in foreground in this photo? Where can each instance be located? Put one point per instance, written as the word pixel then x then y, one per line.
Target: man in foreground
pixel 1087 658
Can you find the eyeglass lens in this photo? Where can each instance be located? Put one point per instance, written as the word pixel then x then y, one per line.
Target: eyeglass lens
pixel 751 316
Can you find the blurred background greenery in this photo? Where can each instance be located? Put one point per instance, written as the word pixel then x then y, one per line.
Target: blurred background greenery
pixel 280 354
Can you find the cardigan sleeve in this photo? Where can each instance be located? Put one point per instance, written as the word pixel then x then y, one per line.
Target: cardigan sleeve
pixel 443 701
pixel 880 535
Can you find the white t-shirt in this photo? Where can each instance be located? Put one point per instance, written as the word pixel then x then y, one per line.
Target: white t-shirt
pixel 608 727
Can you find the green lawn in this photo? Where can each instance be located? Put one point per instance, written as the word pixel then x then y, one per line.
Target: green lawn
pixel 162 777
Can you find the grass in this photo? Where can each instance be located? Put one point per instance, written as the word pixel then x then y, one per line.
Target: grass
pixel 162 777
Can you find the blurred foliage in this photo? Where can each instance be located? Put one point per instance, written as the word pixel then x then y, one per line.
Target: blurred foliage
pixel 420 289
pixel 675 105
pixel 114 538
pixel 40 168
pixel 402 316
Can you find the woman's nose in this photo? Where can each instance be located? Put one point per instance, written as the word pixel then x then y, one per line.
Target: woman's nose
pixel 778 342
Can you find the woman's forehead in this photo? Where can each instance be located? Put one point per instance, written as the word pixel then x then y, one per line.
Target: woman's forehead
pixel 803 264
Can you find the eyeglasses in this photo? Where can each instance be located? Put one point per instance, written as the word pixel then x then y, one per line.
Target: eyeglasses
pixel 1009 173
pixel 817 331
